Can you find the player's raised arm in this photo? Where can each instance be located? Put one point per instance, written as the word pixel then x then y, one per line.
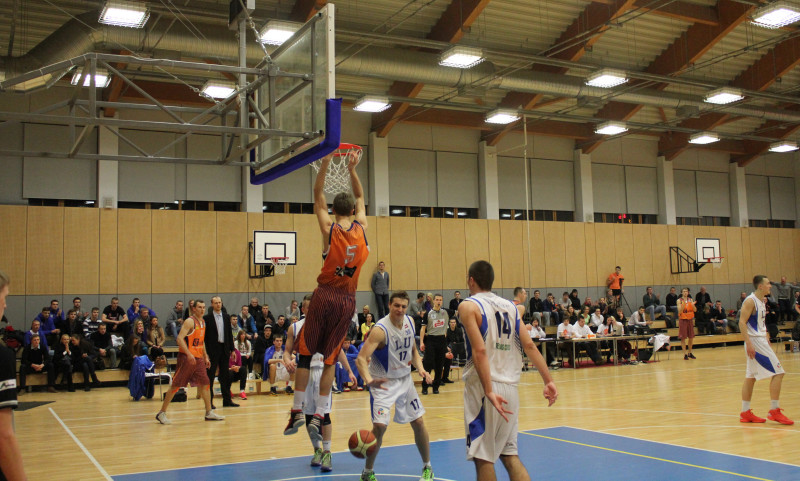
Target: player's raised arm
pixel 360 211
pixel 320 203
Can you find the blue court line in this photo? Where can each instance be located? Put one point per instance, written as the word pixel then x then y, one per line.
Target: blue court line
pixel 552 453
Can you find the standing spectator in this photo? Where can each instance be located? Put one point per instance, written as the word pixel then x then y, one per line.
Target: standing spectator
pixel 35 330
pixel 537 307
pixel 101 339
pixel 36 359
pixel 575 300
pixel 785 294
pixel 742 298
pixel 293 310
pixel 11 457
pixel 62 361
pixel 454 303
pixel 686 310
pixel 239 361
pixel 92 323
pixel 76 305
pixel 614 282
pixel 115 317
pixel 246 351
pixel 672 304
pixel 83 354
pixel 703 298
pixel 380 287
pixel 219 345
pixel 550 313
pixel 433 343
pixel 456 347
pixel 175 319
pixel 136 310
pixel 652 304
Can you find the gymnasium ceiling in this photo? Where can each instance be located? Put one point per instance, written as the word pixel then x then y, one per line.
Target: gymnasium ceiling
pixel 677 49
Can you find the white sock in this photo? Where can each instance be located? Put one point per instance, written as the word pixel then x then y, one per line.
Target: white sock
pixel 428 465
pixel 326 445
pixel 745 406
pixel 299 397
pixel 323 404
pixel 774 404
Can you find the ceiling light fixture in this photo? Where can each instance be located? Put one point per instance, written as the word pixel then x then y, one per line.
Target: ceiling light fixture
pixel 124 13
pixel 724 95
pixel 783 146
pixel 606 78
pixel 219 89
pixel 461 57
pixel 101 78
pixel 371 103
pixel 702 138
pixel 502 116
pixel 611 128
pixel 275 32
pixel 777 14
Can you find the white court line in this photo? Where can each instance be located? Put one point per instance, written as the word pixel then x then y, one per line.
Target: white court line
pixel 80 445
pixel 327 475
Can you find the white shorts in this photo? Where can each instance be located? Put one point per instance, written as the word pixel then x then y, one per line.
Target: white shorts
pixel 312 389
pixel 401 393
pixel 281 374
pixel 488 434
pixel 766 363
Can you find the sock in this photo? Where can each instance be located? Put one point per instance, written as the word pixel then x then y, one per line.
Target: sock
pixel 326 446
pixel 428 465
pixel 323 404
pixel 299 397
pixel 774 404
pixel 366 471
pixel 745 406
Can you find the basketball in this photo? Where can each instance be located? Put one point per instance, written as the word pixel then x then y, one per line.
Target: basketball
pixel 362 443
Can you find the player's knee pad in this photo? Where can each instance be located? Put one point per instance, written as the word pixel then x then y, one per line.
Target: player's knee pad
pixel 304 361
pixel 326 421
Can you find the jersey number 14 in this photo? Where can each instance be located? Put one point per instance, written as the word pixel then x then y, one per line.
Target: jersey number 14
pixel 503 324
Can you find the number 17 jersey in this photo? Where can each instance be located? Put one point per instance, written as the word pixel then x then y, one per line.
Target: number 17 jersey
pixel 393 360
pixel 500 330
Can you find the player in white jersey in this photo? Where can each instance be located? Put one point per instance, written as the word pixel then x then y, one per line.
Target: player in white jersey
pixel 491 376
pixel 322 445
pixel 762 362
pixel 385 364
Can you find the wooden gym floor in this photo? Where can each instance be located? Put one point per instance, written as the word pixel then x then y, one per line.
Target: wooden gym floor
pixel 606 412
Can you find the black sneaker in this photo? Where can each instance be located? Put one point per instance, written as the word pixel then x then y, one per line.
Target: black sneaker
pixel 425 391
pixel 296 419
pixel 436 390
pixel 685 357
pixel 691 356
pixel 273 391
pixel 289 390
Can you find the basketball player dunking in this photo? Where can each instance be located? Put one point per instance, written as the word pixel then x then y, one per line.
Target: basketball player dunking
pixel 345 250
pixel 192 364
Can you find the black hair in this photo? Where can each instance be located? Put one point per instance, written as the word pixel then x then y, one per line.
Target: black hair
pixel 483 274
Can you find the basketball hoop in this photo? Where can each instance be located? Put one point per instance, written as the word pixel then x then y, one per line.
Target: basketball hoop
pixel 338 177
pixel 715 261
pixel 279 265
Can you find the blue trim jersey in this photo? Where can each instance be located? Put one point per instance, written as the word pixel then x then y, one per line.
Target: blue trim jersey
pixel 393 360
pixel 755 323
pixel 499 327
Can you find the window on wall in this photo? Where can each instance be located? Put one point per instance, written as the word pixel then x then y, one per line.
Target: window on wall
pixel 616 218
pixel 435 212
pixel 706 220
pixel 540 215
pixel 773 223
pixel 61 203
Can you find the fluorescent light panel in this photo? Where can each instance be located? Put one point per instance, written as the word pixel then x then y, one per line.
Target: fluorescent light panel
pixel 777 14
pixel 461 57
pixel 371 103
pixel 724 95
pixel 702 138
pixel 611 128
pixel 124 13
pixel 502 116
pixel 275 32
pixel 783 146
pixel 101 78
pixel 606 78
pixel 219 89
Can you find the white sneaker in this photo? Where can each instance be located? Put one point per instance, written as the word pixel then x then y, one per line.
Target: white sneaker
pixel 162 418
pixel 213 416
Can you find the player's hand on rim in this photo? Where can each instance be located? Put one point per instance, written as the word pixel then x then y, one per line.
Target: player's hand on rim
pixel 353 162
pixel 499 402
pixel 377 383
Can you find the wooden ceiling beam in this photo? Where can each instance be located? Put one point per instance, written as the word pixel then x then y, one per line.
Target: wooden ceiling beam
pixel 679 10
pixel 305 9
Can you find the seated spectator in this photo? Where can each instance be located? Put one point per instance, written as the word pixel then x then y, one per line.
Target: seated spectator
pixel 235 325
pixel 571 315
pixel 588 303
pixel 454 303
pixel 536 332
pixel 624 348
pixel 597 320
pixel 354 332
pixel 564 332
pixel 550 314
pixel 362 316
pixel 612 300
pixel 238 363
pixel 274 371
pixel 280 327
pixel 131 349
pixel 582 331
pixel 703 321
pixel 585 315
pixel 720 318
pixel 639 323
pixel 428 301
pixel 263 342
pixel 248 323
pixel 48 326
pixel 55 312
pixel 739 302
pixel 83 355
pixel 292 310
pixel 266 318
pixel 703 298
pixel 70 325
pixel 101 339
pixel 155 338
pixel 343 381
pixel 565 302
pixel 653 306
pixel 254 307
pixel 116 319
pixel 187 313
pixel 456 347
pixel 672 304
pixel 575 300
pixel 536 307
pixel 175 319
pixel 604 308
pixel 620 316
pixel 36 359
pixel 76 305
pixel 145 317
pixel 771 317
pixel 368 324
pixel 62 361
pixel 136 310
pixel 36 330
pixel 92 323
pixel 140 332
pixel 417 310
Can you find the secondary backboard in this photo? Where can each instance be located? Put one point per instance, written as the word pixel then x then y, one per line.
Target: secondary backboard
pixel 707 250
pixel 269 243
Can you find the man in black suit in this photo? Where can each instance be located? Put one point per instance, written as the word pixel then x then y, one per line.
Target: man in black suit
pixel 219 345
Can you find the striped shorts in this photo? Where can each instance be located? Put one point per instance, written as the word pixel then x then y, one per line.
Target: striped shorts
pixel 327 321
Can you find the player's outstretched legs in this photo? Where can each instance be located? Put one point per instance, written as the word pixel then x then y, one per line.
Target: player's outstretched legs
pixel 516 470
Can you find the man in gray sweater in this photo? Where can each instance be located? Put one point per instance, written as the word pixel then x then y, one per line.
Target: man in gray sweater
pixel 785 294
pixel 380 286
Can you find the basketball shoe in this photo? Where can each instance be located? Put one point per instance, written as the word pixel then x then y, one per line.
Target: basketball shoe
pixel 749 417
pixel 777 415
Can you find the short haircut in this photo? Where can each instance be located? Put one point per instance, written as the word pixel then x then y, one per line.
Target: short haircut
pixel 198 301
pixel 34 336
pixel 96 309
pixel 438 295
pixel 420 295
pixel 550 294
pixel 281 317
pixel 179 300
pixel 517 290
pixel 641 307
pixel 718 301
pixel 278 336
pixel 235 315
pixel 617 267
pixel 4 279
pixel 399 295
pixel 308 297
pixel 649 287
pixel 565 293
pixel 46 309
pixel 537 290
pixel 483 274
pixel 76 299
pixel 136 299
pixel 114 299
pixel 71 311
pixel 343 204
pixel 457 292
pixel 76 336
pixel 574 290
pixel 757 280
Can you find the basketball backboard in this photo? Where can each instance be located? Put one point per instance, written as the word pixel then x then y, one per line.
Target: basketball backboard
pixel 269 243
pixel 707 250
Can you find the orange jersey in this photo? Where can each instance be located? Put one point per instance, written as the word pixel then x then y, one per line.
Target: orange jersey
pixel 196 339
pixel 687 309
pixel 347 252
pixel 614 280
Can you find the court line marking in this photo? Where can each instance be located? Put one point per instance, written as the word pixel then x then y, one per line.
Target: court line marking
pixel 741 426
pixel 339 475
pixel 646 456
pixel 80 445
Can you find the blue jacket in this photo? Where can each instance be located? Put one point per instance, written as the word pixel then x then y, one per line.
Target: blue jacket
pixel 132 315
pixel 265 368
pixel 42 339
pixel 136 383
pixel 46 326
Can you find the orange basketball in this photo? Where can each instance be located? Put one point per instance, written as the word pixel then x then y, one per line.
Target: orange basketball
pixel 362 443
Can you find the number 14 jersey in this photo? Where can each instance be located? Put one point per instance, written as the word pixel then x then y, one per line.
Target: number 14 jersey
pixel 500 330
pixel 393 360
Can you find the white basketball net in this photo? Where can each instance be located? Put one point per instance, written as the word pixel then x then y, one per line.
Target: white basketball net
pixel 338 177
pixel 279 265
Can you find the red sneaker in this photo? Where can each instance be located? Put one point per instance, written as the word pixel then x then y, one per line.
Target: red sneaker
pixel 749 417
pixel 777 415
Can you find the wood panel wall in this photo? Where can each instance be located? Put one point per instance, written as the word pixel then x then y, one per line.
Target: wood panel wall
pixel 55 251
